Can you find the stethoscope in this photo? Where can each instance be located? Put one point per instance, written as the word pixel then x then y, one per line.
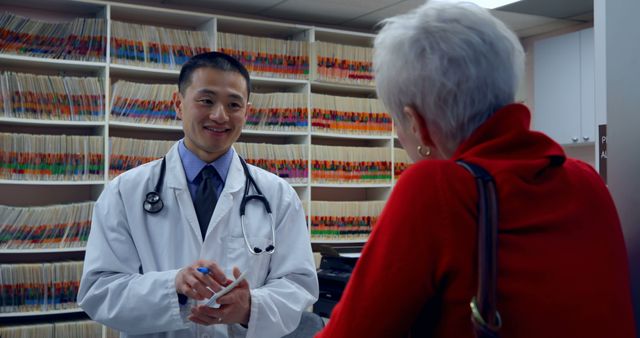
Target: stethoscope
pixel 153 204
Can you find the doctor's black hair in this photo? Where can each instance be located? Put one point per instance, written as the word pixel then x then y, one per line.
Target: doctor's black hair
pixel 215 60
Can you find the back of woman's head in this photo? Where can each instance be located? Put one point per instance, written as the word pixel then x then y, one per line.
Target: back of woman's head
pixel 453 62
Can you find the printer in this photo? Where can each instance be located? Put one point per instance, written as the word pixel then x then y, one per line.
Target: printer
pixel 333 275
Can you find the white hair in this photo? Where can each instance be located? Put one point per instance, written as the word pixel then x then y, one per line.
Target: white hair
pixel 453 62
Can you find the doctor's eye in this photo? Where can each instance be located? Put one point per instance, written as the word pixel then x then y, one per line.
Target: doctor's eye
pixel 205 101
pixel 235 106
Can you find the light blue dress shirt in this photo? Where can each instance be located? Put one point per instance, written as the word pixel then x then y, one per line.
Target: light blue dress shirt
pixel 193 165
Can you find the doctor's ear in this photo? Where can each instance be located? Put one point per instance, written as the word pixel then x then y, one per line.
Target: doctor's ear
pixel 177 104
pixel 246 109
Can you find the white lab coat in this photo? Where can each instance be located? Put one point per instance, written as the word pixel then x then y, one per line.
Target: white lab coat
pixel 132 257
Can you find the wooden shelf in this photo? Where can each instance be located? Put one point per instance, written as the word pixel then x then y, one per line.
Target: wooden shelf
pixel 261 80
pixel 40 251
pixel 342 88
pixel 44 122
pixel 39 63
pixel 336 241
pixel 39 313
pixel 270 29
pixel 162 17
pixel 141 126
pixel 344 37
pixel 147 73
pixel 24 256
pixel 36 182
pixel 273 132
pixel 350 136
pixel 351 185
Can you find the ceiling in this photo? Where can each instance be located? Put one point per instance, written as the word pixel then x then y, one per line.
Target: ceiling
pixel 526 18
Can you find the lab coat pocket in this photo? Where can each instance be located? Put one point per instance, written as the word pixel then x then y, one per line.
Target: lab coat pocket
pixel 256 266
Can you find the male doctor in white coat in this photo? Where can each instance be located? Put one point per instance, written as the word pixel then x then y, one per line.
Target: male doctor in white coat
pixel 141 272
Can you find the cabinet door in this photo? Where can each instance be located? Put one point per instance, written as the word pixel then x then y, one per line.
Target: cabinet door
pixel 587 86
pixel 557 87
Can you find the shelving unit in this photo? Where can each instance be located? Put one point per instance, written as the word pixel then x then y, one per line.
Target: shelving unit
pixel 38 313
pixel 39 63
pixel 39 193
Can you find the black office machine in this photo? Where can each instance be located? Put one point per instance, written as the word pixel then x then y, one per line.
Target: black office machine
pixel 333 275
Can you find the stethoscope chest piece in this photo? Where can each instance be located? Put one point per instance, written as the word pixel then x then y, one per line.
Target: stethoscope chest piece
pixel 153 203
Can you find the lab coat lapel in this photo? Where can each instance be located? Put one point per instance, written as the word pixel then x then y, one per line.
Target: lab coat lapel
pixel 177 182
pixel 234 182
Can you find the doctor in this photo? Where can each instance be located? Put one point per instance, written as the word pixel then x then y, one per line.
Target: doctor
pixel 141 272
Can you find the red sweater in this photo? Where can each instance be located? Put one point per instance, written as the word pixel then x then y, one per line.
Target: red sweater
pixel 562 264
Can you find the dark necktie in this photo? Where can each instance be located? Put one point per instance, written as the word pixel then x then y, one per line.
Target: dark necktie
pixel 206 197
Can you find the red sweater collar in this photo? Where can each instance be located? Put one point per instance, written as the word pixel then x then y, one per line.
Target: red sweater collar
pixel 505 136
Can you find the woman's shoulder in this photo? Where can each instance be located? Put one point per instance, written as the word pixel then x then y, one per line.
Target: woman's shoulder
pixel 434 187
pixel 431 172
pixel 428 205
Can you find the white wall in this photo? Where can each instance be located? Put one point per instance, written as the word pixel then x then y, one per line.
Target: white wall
pixel 600 79
pixel 621 62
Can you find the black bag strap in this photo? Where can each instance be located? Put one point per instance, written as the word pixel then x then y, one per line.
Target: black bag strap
pixel 484 313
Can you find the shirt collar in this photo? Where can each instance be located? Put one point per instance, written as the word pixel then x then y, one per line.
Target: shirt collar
pixel 193 164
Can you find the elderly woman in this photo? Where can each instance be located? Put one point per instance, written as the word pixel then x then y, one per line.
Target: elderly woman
pixel 448 74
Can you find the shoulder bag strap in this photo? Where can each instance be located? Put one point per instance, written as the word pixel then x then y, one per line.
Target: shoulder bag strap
pixel 484 314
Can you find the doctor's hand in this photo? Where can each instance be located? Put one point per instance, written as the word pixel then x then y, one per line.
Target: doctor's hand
pixel 235 307
pixel 195 284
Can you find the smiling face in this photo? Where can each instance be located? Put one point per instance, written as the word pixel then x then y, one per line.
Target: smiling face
pixel 213 110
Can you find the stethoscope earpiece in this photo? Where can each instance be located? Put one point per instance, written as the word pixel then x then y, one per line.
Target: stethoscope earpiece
pixel 269 249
